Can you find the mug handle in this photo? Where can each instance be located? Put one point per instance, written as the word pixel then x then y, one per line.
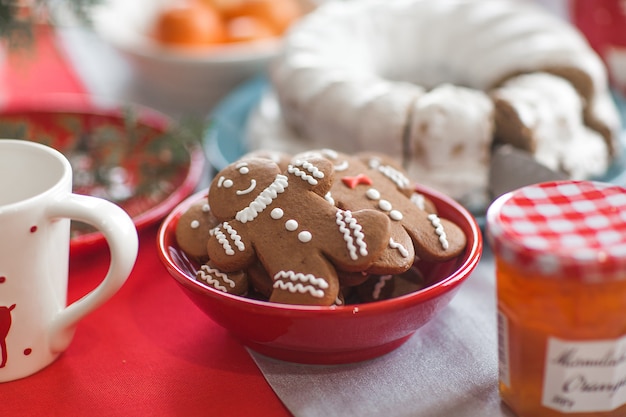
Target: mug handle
pixel 121 235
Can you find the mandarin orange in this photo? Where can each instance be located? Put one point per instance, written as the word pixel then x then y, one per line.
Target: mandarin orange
pixel 189 23
pixel 248 28
pixel 279 14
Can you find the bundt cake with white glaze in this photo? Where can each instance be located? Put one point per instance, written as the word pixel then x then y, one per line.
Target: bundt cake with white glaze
pixel 436 83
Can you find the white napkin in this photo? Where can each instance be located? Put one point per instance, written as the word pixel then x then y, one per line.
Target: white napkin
pixel 448 368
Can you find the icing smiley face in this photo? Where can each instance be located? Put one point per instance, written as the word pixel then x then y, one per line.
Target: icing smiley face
pixel 237 188
pixel 282 221
pixel 243 170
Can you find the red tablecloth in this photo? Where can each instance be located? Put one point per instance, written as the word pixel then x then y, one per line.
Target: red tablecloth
pixel 148 351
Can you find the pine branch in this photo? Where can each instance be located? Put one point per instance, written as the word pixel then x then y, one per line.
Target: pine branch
pixel 17 20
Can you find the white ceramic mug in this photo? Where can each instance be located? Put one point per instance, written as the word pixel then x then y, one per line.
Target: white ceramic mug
pixel 36 205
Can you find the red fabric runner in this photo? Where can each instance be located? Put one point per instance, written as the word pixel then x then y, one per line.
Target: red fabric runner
pixel 36 70
pixel 148 351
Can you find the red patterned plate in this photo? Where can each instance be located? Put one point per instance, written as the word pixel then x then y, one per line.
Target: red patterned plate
pixel 128 154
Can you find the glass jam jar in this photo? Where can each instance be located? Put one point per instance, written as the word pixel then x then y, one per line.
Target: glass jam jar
pixel 560 255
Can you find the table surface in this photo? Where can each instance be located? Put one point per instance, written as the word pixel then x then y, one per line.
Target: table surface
pixel 150 351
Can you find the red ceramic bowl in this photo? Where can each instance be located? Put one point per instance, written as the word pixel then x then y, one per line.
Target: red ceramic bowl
pixel 326 335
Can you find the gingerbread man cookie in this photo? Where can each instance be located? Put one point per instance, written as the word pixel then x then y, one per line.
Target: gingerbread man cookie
pixel 192 233
pixel 281 219
pixel 232 282
pixel 372 182
pixel 193 230
pixel 282 159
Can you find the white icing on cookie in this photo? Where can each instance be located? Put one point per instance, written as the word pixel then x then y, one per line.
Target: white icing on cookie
pixel 329 197
pixel 243 168
pixel 305 236
pixel 341 166
pixel 276 213
pixel 399 247
pixel 223 240
pixel 384 205
pixel 348 226
pixel 419 200
pixel 373 194
pixel 247 190
pixel 310 177
pixel 234 236
pixel 291 225
pixel 330 153
pixel 195 224
pixel 382 281
pixel 263 200
pixel 206 208
pixel 298 282
pixel 223 182
pixel 207 275
pixel 436 222
pixel 390 172
pixel 396 215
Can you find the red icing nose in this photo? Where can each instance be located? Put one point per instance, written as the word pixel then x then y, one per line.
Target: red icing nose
pixel 352 182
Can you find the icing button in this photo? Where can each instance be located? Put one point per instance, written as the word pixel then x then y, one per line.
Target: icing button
pixel 373 194
pixel 304 236
pixel 276 213
pixel 395 215
pixel 291 225
pixel 384 205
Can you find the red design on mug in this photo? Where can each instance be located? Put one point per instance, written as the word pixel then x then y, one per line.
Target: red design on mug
pixel 5 326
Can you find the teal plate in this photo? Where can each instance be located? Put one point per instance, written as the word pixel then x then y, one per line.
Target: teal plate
pixel 224 141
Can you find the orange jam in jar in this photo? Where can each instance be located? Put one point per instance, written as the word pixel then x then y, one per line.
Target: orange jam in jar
pixel 560 254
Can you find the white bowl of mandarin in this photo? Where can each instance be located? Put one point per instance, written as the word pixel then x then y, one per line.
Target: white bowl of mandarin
pixel 193 52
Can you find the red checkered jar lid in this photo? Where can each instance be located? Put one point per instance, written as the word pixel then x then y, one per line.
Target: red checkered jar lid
pixel 562 229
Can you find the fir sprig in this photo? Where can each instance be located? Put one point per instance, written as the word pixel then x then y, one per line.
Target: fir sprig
pixel 17 18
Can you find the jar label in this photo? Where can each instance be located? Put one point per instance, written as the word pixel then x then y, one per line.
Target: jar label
pixel 585 376
pixel 503 349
